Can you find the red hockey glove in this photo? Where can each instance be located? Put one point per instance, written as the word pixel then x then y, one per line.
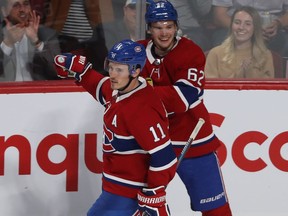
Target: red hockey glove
pixel 152 202
pixel 69 65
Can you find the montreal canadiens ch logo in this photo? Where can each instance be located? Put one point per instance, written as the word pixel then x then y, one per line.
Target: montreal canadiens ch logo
pixel 137 49
pixel 61 59
pixel 108 137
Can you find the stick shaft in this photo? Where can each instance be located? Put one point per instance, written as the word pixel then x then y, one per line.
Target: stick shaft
pixel 190 140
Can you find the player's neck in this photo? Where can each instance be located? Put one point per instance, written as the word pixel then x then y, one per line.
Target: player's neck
pixel 160 53
pixel 131 85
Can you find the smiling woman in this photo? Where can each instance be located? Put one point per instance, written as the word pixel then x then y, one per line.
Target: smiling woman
pixel 243 54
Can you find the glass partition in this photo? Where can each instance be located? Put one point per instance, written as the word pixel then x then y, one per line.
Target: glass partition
pixel 90 28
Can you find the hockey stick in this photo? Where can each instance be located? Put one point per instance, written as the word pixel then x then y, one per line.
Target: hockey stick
pixel 190 140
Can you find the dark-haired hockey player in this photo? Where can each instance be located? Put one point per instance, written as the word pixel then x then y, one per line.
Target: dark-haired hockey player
pixel 138 158
pixel 176 67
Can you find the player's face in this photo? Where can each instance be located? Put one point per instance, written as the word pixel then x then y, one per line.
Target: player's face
pixel 242 28
pixel 119 75
pixel 163 34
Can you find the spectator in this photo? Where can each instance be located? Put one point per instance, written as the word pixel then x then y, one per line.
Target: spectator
pixel 27 49
pixel 243 54
pixel 175 65
pixel 107 34
pixel 138 158
pixel 120 29
pixel 274 34
pixel 74 21
pixel 191 14
pixel 117 8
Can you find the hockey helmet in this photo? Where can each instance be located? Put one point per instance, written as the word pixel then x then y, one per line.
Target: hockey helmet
pixel 161 11
pixel 127 52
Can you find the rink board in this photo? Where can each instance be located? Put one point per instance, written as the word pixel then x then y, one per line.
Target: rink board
pixel 52 165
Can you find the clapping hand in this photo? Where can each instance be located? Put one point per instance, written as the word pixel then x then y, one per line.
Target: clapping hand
pixel 14 32
pixel 32 26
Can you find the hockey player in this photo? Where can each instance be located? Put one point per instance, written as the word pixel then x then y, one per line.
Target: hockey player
pixel 138 158
pixel 175 65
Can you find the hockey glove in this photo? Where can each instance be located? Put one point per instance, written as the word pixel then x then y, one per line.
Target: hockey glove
pixel 152 202
pixel 69 65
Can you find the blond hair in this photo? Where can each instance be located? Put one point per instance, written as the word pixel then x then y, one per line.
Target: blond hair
pixel 258 45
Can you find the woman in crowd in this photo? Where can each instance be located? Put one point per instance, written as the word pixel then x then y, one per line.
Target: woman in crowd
pixel 243 54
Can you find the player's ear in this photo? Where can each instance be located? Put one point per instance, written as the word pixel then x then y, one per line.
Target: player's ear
pixel 148 27
pixel 136 72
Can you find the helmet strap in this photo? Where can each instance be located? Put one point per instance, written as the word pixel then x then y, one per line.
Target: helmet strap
pixel 130 80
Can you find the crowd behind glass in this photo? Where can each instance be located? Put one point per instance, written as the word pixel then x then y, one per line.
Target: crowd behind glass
pixel 91 27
